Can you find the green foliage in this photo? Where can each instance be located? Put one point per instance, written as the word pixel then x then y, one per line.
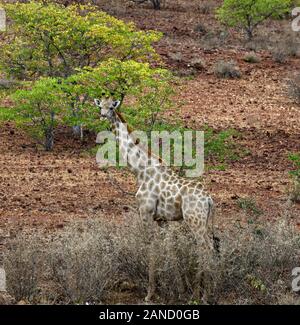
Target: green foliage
pixel 144 91
pixel 249 205
pixel 248 14
pixel 9 115
pixel 89 52
pixel 295 159
pixel 295 193
pixel 256 283
pixel 40 108
pixel 219 145
pixel 251 58
pixel 48 39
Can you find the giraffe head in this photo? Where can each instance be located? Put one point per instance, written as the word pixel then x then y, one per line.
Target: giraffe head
pixel 107 106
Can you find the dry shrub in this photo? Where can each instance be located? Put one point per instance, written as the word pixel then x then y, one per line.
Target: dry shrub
pixel 215 39
pixel 23 263
pixel 282 44
pixel 251 58
pixel 83 262
pixel 179 263
pixel 177 57
pixel 89 259
pixel 227 69
pixel 287 46
pixel 295 192
pixel 198 64
pixel 256 264
pixel 291 43
pixel 294 88
pixel 206 7
pixel 175 256
pixel 75 265
pixel 201 29
pixel 279 55
pixel 134 255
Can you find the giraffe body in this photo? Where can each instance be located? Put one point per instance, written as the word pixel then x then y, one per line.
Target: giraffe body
pixel 170 197
pixel 162 195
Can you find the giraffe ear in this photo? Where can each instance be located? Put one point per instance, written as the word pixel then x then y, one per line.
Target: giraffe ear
pixel 97 102
pixel 116 104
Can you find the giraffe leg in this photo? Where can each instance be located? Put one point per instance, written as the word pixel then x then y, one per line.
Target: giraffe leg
pixel 205 276
pixel 151 283
pixel 172 249
pixel 149 226
pixel 205 251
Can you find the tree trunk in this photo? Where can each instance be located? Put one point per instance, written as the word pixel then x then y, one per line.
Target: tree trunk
pixel 78 131
pixel 49 133
pixel 249 28
pixel 49 139
pixel 156 4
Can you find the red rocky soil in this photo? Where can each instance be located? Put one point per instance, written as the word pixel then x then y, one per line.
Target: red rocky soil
pixel 50 189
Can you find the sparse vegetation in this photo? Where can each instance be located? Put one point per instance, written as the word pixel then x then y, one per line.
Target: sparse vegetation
pixel 201 29
pixel 206 7
pixel 198 64
pixel 227 69
pixel 83 262
pixel 294 88
pixel 86 261
pixel 280 55
pixel 220 146
pixel 249 206
pixel 295 192
pixel 24 264
pixel 251 58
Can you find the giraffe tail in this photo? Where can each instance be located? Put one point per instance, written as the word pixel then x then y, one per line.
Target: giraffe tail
pixel 211 214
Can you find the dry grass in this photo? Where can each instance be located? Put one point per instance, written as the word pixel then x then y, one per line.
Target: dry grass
pixel 83 262
pixel 87 260
pixel 24 264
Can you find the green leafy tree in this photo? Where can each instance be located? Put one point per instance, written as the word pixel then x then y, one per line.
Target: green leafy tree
pixel 40 108
pixel 248 14
pixel 144 91
pixel 50 40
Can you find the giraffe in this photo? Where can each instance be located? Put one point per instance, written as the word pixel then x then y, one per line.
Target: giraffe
pixel 162 196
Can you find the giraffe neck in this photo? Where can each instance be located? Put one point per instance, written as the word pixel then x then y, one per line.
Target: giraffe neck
pixel 137 157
